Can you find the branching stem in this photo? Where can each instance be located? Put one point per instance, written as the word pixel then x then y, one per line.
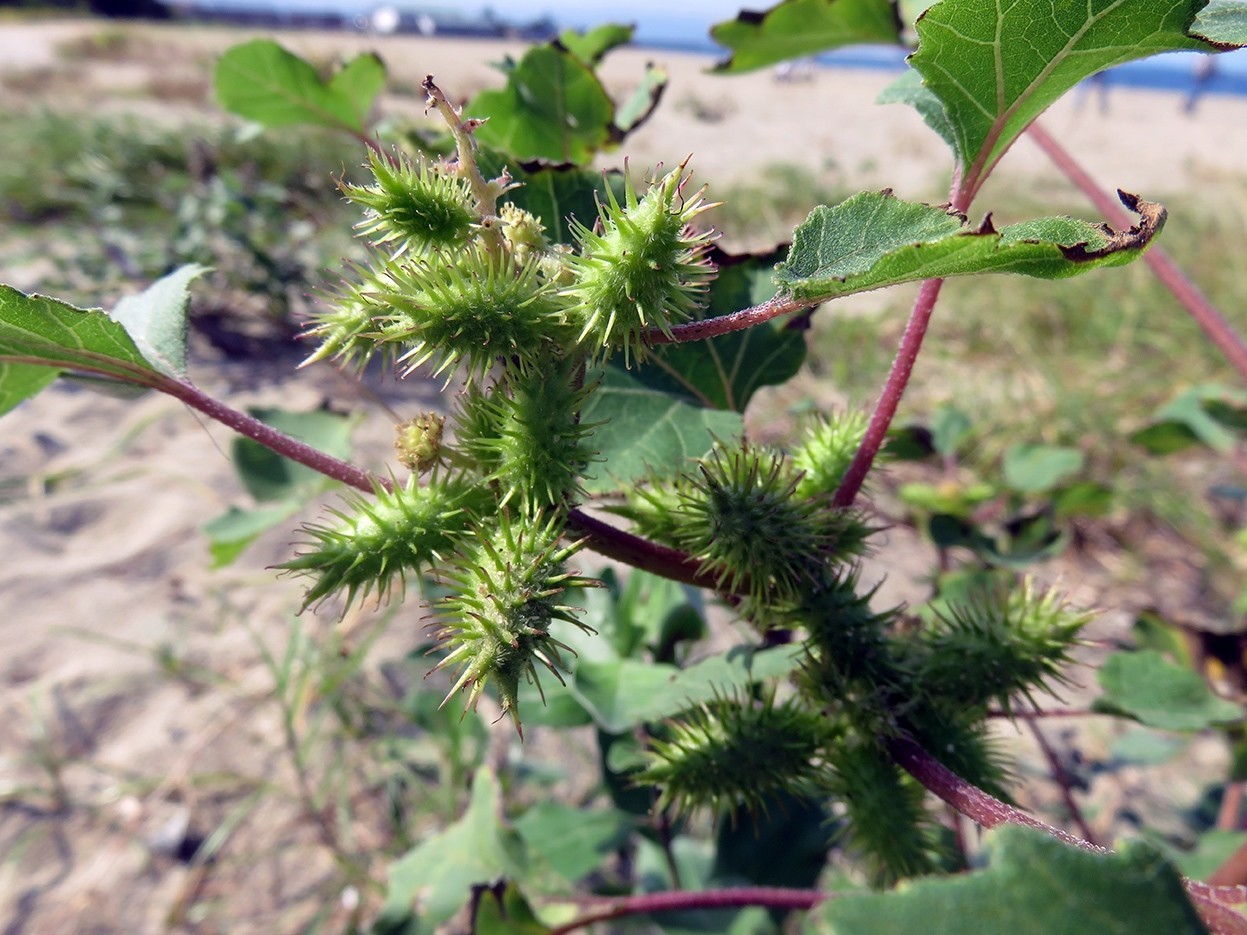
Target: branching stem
pixel 485 193
pixel 270 438
pixel 726 324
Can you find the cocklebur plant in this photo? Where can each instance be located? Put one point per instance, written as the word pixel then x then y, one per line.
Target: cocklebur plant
pixel 607 351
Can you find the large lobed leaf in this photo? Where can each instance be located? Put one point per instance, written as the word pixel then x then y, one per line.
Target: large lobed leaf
pixel 990 68
pixel 1034 885
pixel 553 108
pixel 262 81
pixel 649 430
pixel 795 28
pixel 874 239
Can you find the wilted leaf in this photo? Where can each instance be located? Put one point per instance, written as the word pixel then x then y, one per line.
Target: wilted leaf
pixel 874 239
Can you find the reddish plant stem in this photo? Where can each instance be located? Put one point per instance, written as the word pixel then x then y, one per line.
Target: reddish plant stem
pixel 1226 894
pixel 1062 780
pixel 769 896
pixel 988 811
pixel 269 437
pixel 726 324
pixel 893 390
pixel 1231 806
pixel 1050 712
pixel 615 543
pixel 1220 919
pixel 603 538
pixel 968 798
pixel 1206 315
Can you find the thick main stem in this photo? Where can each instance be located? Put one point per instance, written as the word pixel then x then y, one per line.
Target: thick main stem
pixel 893 390
pixel 272 439
pixel 1206 315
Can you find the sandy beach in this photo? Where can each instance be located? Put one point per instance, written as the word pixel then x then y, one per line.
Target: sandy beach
pixel 105 576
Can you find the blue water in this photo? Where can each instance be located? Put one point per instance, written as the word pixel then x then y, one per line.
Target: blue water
pixel 1170 71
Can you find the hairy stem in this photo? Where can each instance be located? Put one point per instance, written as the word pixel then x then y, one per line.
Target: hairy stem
pixel 890 398
pixel 622 546
pixel 769 896
pixel 1206 315
pixel 988 811
pixel 726 324
pixel 269 437
pixel 969 799
pixel 485 193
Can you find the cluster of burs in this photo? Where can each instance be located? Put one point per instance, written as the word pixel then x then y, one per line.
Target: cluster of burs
pixel 466 284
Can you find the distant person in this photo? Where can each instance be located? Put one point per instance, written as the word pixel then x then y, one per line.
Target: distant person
pixel 795 69
pixel 1097 84
pixel 1205 71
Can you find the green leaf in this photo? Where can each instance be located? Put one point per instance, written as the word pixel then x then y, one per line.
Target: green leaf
pixel 269 476
pixel 503 910
pixel 1034 885
pixel 724 372
pixel 1165 438
pixel 36 331
pixel 623 694
pixel 1197 409
pixel 593 44
pixel 1148 687
pixel 1086 498
pixel 155 319
pixel 435 877
pixel 1223 23
pixel 359 82
pixel 1212 849
pixel 1030 468
pixel 786 844
pixel 949 428
pixel 640 104
pixel 572 841
pixel 231 532
pixel 553 108
pixel 649 431
pixel 262 81
pixel 995 67
pixel 19 382
pixel 795 28
pixel 874 239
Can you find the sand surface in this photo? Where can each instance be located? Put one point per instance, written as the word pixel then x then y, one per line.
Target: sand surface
pixel 104 584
